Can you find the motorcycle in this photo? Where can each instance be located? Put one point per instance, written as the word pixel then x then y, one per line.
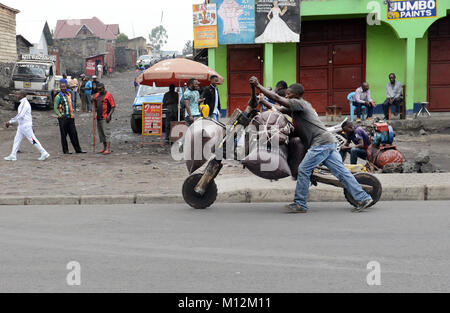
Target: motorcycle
pixel 200 190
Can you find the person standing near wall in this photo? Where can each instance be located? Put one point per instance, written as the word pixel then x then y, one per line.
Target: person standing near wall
pixel 25 129
pixel 99 70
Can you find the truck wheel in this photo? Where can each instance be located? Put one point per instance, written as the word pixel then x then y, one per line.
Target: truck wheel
pixel 366 179
pixel 194 199
pixel 136 127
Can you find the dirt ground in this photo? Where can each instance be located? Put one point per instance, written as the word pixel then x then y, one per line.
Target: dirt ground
pixel 130 169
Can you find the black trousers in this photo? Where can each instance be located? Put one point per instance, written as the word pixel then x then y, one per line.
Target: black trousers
pixel 67 127
pixel 395 104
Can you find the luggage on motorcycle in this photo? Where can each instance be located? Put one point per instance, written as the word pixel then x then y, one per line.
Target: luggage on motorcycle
pixel 272 125
pixel 297 152
pixel 382 155
pixel 268 164
pixel 199 143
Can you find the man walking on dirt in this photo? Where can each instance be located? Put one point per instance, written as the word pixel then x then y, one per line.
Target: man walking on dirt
pixel 104 106
pixel 25 129
pixel 64 110
pixel 321 147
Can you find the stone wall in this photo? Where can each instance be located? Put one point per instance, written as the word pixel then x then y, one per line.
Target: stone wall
pixel 138 44
pixel 124 58
pixel 73 52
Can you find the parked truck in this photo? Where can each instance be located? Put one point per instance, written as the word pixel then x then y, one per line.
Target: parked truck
pixel 36 75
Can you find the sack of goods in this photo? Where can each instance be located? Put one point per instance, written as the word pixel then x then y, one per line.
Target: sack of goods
pixel 270 127
pixel 268 157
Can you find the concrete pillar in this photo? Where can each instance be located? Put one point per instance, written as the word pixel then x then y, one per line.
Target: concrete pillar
pixel 268 65
pixel 410 72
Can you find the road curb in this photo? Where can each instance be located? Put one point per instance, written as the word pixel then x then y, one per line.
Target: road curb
pixel 263 195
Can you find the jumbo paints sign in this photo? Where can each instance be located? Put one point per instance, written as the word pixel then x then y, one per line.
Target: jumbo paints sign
pixel 398 10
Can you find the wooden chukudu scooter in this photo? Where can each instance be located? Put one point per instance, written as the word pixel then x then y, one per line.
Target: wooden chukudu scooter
pixel 200 190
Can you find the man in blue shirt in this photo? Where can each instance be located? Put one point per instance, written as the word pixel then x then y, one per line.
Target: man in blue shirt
pixel 359 138
pixel 191 100
pixel 88 95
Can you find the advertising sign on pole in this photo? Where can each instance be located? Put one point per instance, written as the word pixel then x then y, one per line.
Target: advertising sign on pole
pixel 277 21
pixel 236 23
pixel 205 26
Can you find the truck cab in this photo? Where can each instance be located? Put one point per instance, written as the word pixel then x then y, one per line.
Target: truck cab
pixel 37 76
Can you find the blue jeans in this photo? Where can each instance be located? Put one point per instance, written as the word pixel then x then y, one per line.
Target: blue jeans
pixel 215 117
pixel 89 103
pixel 330 157
pixel 355 153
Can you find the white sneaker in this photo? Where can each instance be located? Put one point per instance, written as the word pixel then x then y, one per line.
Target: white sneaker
pixel 44 157
pixel 10 158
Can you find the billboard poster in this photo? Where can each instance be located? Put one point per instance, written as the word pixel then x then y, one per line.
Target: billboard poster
pixel 398 10
pixel 277 21
pixel 151 119
pixel 236 22
pixel 205 26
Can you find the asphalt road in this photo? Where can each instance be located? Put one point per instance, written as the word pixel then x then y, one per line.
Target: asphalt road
pixel 229 248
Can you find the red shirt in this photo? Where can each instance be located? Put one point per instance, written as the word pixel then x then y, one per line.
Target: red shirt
pixel 103 105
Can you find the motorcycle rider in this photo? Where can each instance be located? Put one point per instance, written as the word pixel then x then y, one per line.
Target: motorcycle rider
pixel 321 147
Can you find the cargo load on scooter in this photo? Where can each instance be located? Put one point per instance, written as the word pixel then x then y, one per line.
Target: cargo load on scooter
pixel 382 151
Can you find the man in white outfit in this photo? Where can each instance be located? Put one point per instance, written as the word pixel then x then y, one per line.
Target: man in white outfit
pixel 25 129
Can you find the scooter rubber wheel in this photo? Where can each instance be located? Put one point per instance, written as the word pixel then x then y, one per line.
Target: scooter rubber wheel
pixel 366 179
pixel 196 200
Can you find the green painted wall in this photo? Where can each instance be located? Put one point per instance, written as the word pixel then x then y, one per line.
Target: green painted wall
pixel 421 79
pixel 385 55
pixel 219 64
pixel 285 63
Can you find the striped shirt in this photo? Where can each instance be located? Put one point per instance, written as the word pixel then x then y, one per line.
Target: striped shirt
pixel 63 105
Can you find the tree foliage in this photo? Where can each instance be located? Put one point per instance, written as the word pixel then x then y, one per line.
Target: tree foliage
pixel 158 37
pixel 121 38
pixel 188 48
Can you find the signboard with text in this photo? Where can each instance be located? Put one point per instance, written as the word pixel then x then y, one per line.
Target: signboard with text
pixel 152 119
pixel 398 10
pixel 205 26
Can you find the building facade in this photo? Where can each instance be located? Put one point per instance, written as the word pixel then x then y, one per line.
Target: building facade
pixel 8 45
pixel 344 43
pixel 79 39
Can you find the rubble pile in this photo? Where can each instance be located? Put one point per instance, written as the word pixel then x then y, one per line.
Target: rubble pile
pixel 422 164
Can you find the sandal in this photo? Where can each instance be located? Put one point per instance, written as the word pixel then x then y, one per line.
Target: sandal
pixel 107 152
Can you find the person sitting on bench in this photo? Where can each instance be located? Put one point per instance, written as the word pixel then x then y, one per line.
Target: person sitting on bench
pixel 394 96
